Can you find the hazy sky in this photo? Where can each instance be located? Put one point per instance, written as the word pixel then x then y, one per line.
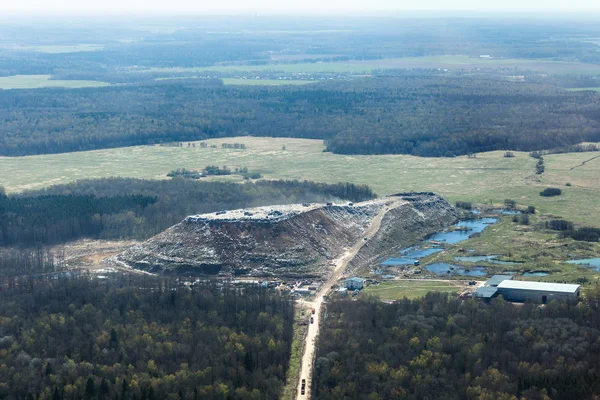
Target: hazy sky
pixel 326 6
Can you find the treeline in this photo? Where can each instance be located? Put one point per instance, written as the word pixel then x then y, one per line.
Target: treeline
pixel 567 229
pixel 48 219
pixel 585 233
pixel 428 115
pixel 139 338
pixel 119 208
pixel 445 348
pixel 30 261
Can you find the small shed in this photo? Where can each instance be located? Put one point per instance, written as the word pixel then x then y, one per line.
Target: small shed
pixel 354 283
pixel 485 292
pixel 497 279
pixel 303 291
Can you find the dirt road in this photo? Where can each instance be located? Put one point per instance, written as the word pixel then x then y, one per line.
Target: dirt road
pixel 337 273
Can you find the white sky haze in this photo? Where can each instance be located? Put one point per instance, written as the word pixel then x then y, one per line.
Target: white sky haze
pixel 283 6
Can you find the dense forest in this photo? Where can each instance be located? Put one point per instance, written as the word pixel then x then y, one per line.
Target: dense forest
pixel 429 115
pixel 140 338
pixel 445 348
pixel 120 208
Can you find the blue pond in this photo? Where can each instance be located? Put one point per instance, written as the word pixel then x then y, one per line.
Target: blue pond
pixel 411 256
pixel 449 269
pixel 593 263
pixel 477 258
pixel 539 273
pixel 506 262
pixel 508 212
pixel 490 259
pixel 470 227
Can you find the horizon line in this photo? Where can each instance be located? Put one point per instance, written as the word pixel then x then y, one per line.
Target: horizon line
pixel 297 12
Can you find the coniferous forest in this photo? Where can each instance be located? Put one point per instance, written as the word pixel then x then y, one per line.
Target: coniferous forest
pixel 141 338
pixel 446 348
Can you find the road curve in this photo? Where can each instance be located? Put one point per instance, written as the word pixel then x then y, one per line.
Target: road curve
pixel 338 271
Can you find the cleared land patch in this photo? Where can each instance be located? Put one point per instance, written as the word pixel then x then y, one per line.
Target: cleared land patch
pixel 490 176
pixel 44 81
pixel 433 62
pixel 595 89
pixel 58 49
pixel 411 289
pixel 269 82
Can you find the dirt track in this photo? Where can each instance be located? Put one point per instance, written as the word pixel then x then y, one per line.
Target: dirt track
pixel 337 273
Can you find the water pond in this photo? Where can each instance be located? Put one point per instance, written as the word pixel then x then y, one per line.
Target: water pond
pixel 410 255
pixel 449 269
pixel 593 263
pixel 491 259
pixel 477 258
pixel 508 212
pixel 536 273
pixel 465 230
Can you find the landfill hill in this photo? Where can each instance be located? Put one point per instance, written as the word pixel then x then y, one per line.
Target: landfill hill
pixel 298 240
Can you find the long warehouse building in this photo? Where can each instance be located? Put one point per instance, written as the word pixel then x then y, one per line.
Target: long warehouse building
pixel 522 291
pixel 540 292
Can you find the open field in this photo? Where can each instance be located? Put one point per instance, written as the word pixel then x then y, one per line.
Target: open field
pixel 268 82
pixel 58 49
pixel 490 176
pixel 411 289
pixel 44 81
pixel 248 82
pixel 595 89
pixel 451 62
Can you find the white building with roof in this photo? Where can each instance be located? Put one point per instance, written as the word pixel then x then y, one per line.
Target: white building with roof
pixel 354 283
pixel 539 292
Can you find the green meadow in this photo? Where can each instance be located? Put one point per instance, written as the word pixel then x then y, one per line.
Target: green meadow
pixel 488 178
pixel 411 289
pixel 268 82
pixel 433 62
pixel 44 81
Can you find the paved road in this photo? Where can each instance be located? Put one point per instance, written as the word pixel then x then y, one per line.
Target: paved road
pixel 337 273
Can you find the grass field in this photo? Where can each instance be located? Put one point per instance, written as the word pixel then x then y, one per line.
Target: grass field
pixel 595 89
pixel 268 82
pixel 411 289
pixel 451 62
pixel 247 82
pixel 53 49
pixel 43 81
pixel 490 176
pixel 57 49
